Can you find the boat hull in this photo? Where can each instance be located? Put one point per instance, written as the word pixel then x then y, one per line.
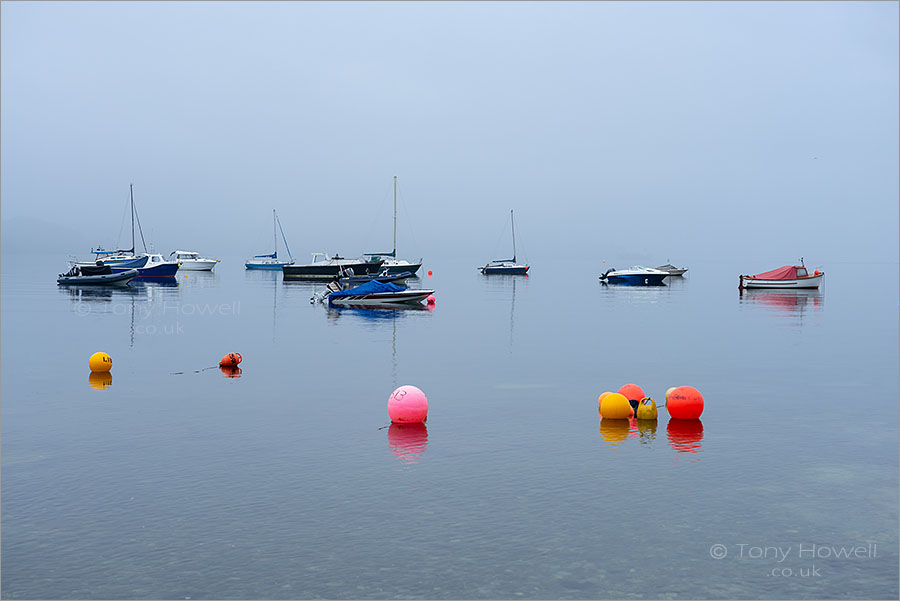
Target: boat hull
pixel 642 279
pixel 362 279
pixel 164 270
pixel 198 265
pixel 113 279
pixel 267 265
pixel 412 268
pixel 132 263
pixel 505 270
pixel 330 270
pixel 812 281
pixel 381 298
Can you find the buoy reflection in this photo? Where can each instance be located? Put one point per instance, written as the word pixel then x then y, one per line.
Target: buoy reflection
pixel 408 441
pixel 646 430
pixel 614 431
pixel 230 371
pixel 685 435
pixel 98 380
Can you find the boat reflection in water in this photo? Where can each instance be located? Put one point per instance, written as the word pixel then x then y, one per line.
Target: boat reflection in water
pixel 685 435
pixel 408 441
pixel 231 371
pixel 385 312
pixel 786 302
pixel 98 380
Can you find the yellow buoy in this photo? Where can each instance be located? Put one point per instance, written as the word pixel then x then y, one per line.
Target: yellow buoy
pixel 100 362
pixel 615 406
pixel 647 409
pixel 98 380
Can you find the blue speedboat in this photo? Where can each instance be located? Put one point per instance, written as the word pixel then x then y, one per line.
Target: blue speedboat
pixel 636 276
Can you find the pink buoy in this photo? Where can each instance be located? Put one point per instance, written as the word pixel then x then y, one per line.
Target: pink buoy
pixel 408 405
pixel 430 299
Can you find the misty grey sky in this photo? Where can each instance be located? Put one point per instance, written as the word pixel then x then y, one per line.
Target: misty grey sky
pixel 754 132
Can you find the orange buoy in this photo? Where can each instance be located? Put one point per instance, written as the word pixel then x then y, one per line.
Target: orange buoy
pixel 685 402
pixel 429 273
pixel 600 398
pixel 615 406
pixel 632 392
pixel 230 360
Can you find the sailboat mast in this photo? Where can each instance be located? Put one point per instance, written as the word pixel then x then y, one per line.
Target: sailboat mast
pixel 275 232
pixel 131 188
pixel 513 225
pixel 395 216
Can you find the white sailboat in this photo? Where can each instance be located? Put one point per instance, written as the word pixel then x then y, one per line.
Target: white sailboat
pixel 271 261
pixel 391 263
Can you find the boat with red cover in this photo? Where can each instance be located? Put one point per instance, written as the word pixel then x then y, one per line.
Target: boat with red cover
pixel 788 276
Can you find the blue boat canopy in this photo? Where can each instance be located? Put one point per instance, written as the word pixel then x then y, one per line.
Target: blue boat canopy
pixel 373 287
pixel 274 255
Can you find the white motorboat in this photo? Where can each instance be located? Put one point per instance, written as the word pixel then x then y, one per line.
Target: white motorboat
pixel 672 270
pixel 788 276
pixel 192 261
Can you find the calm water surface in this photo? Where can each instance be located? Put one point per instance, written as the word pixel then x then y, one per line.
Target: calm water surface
pixel 171 480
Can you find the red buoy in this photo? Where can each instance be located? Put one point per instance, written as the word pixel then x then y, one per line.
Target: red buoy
pixel 230 360
pixel 685 402
pixel 632 392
